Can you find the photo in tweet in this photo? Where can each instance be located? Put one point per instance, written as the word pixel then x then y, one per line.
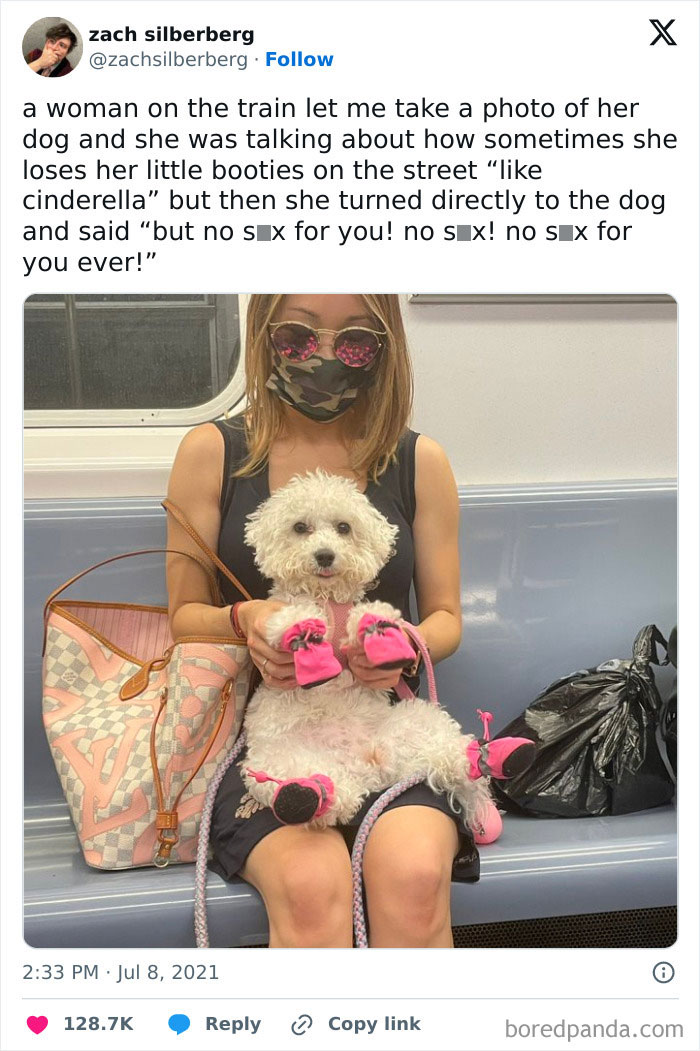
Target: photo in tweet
pixel 295 377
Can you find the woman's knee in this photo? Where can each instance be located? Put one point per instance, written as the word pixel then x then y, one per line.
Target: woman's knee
pixel 408 876
pixel 411 893
pixel 315 894
pixel 307 888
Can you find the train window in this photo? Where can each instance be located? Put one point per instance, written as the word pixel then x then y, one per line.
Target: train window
pixel 129 359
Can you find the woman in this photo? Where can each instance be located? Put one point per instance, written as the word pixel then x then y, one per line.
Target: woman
pixel 319 396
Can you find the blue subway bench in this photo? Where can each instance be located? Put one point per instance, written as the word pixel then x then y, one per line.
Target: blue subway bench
pixel 553 579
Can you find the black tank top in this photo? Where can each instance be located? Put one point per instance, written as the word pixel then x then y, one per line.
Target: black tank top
pixel 393 495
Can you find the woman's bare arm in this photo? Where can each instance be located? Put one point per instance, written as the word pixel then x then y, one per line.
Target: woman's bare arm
pixel 436 543
pixel 195 487
pixel 435 538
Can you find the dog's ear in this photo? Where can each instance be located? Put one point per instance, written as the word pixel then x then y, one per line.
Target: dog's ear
pixel 251 530
pixel 378 535
pixel 258 528
pixel 388 533
pixel 262 534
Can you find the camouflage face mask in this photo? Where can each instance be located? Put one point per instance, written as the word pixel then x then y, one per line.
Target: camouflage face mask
pixel 318 388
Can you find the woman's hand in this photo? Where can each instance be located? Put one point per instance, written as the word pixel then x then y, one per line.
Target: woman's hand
pixel 368 674
pixel 276 666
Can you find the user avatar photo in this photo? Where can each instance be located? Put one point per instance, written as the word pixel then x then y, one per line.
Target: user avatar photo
pixel 52 47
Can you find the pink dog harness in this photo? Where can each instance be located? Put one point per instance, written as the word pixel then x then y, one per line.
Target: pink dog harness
pixel 336 616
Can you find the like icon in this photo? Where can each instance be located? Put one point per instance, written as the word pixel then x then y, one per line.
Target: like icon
pixel 37 1023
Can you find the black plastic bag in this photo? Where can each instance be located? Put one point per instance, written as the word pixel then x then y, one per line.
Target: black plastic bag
pixel 595 733
pixel 668 720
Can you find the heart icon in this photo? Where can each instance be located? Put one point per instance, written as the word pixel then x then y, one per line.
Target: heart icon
pixel 37 1024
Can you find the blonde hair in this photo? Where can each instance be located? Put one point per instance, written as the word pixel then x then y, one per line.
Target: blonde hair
pixel 378 418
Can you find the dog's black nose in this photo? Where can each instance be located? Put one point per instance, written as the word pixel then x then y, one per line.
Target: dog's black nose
pixel 324 557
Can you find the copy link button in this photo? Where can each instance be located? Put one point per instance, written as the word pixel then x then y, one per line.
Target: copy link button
pixel 663 972
pixel 302 1024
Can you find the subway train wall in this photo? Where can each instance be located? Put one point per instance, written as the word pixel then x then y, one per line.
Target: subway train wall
pixel 518 394
pixel 546 393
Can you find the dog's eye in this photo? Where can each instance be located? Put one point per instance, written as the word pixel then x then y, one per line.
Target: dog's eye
pixel 343 527
pixel 301 527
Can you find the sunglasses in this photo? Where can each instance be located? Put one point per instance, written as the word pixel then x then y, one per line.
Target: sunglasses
pixel 353 346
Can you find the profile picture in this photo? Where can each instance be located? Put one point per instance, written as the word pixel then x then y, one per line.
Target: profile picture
pixel 52 47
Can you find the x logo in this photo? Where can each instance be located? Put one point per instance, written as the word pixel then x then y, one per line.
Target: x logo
pixel 662 32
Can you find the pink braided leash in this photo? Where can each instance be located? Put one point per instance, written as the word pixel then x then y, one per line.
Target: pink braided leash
pixel 358 853
pixel 201 929
pixel 425 653
pixel 358 850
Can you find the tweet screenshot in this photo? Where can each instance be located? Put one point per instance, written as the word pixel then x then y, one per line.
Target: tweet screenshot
pixel 349 411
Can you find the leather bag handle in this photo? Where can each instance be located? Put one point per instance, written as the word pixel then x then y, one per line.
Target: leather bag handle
pixel 132 554
pixel 167 820
pixel 213 584
pixel 179 517
pixel 174 510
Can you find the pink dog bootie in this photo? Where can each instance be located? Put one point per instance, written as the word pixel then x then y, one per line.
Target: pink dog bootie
pixel 314 660
pixel 384 643
pixel 506 757
pixel 300 799
pixel 490 830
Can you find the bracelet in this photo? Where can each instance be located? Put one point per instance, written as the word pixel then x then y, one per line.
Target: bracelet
pixel 235 623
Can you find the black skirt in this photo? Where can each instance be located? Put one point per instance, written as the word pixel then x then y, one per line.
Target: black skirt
pixel 239 823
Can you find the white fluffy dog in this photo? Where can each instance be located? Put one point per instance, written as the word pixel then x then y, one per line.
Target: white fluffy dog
pixel 323 543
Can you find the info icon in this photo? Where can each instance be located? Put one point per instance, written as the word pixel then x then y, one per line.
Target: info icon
pixel 663 972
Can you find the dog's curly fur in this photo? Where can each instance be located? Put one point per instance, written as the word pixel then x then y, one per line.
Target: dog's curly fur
pixel 342 728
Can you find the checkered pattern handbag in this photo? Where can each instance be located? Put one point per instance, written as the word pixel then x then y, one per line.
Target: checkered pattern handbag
pixel 137 724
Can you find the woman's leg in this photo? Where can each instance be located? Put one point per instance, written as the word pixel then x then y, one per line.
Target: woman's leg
pixel 305 880
pixel 407 875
